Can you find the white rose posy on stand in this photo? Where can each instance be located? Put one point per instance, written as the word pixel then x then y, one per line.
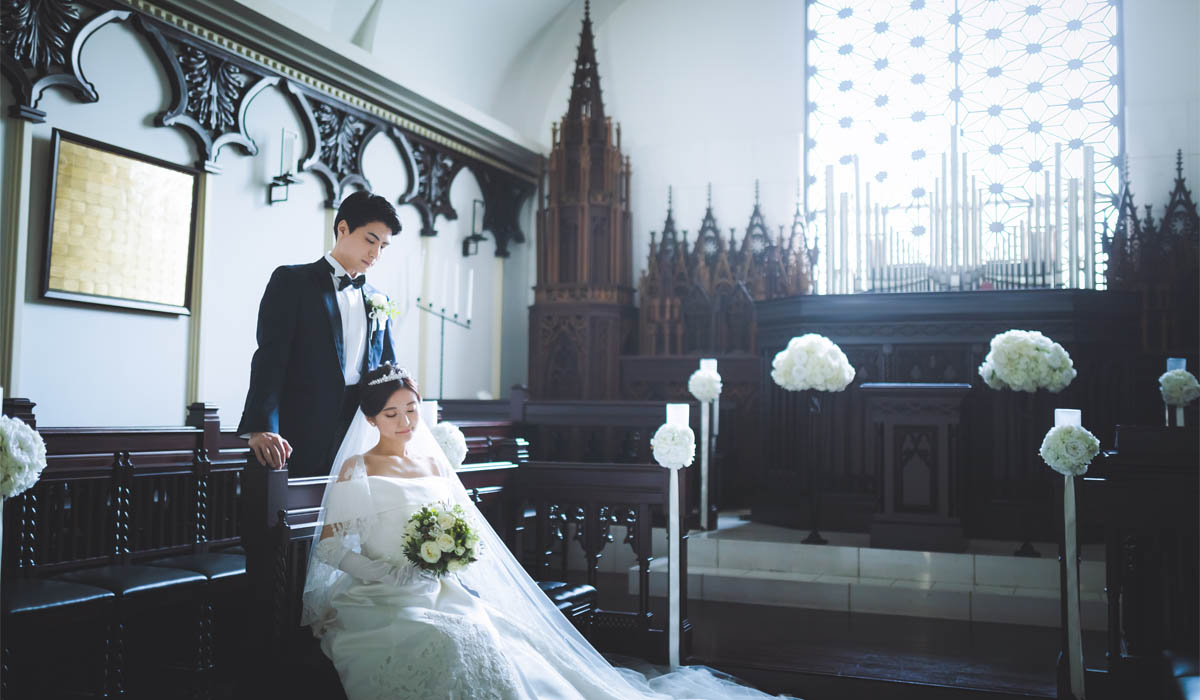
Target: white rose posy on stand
pixel 674 447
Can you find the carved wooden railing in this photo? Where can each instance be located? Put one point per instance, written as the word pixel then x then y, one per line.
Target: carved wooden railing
pixel 1142 496
pixel 125 494
pixel 582 502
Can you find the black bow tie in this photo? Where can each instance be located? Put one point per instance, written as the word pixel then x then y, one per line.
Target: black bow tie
pixel 356 282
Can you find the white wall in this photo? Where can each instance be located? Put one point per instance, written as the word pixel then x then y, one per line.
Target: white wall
pixel 90 365
pixel 1162 96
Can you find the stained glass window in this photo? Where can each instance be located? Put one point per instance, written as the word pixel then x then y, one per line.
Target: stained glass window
pixel 888 82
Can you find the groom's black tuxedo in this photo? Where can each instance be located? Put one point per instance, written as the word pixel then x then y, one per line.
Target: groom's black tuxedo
pixel 297 385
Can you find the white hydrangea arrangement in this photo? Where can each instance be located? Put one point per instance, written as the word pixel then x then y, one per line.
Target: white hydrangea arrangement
pixel 674 446
pixel 705 385
pixel 1069 449
pixel 1026 361
pixel 812 361
pixel 22 457
pixel 1179 387
pixel 452 441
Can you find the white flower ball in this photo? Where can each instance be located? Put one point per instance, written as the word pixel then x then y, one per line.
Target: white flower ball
pixel 812 361
pixel 705 385
pixel 1069 449
pixel 674 446
pixel 445 542
pixel 455 565
pixel 452 441
pixel 1179 387
pixel 445 521
pixel 1026 361
pixel 430 552
pixel 22 457
pixel 379 299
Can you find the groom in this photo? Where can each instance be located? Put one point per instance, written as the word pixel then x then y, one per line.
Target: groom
pixel 315 339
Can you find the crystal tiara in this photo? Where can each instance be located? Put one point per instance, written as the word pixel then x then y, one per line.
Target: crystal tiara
pixel 395 375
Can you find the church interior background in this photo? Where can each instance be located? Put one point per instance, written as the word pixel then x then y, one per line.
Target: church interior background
pixel 597 200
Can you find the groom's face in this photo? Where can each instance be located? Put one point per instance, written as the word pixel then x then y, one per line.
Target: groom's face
pixel 360 248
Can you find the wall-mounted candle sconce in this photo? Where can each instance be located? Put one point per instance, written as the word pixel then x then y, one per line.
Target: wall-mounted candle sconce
pixel 277 191
pixel 470 244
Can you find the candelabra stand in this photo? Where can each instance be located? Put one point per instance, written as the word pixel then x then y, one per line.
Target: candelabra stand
pixel 428 307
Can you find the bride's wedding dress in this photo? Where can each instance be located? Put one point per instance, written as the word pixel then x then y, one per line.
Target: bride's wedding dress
pixel 485 632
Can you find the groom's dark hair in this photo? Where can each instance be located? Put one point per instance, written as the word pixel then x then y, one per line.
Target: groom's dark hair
pixel 362 207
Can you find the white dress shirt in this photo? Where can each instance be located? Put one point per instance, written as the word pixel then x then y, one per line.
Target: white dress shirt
pixel 354 323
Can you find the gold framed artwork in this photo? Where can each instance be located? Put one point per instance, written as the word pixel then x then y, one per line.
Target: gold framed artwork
pixel 121 227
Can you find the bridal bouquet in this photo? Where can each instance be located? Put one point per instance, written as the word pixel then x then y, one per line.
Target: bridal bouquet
pixel 22 457
pixel 1069 449
pixel 1026 361
pixel 1179 387
pixel 812 361
pixel 439 539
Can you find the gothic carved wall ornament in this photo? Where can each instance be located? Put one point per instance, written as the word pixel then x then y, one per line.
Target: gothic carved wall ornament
pixel 337 136
pixel 431 171
pixel 42 43
pixel 211 92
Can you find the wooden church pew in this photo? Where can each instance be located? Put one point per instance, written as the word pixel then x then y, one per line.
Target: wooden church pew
pixel 123 526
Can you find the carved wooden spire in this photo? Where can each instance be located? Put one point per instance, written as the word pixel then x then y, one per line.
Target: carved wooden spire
pixel 586 99
pixel 583 316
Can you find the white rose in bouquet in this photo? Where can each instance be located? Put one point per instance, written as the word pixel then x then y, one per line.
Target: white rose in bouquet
pixel 812 361
pixel 674 446
pixel 452 441
pixel 430 552
pixel 22 457
pixel 1069 449
pixel 705 385
pixel 1179 387
pixel 1026 361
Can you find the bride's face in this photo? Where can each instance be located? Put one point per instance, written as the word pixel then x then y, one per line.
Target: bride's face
pixel 399 416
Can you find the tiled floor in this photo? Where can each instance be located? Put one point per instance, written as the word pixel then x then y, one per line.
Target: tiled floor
pixel 743 562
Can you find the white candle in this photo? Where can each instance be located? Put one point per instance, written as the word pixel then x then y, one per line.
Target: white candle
pixel 445 284
pixel 457 285
pixel 470 292
pixel 1172 364
pixel 428 412
pixel 1068 416
pixel 677 413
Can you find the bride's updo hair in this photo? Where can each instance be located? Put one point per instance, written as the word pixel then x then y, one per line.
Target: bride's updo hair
pixel 377 386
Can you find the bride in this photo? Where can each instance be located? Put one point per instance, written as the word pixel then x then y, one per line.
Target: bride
pixel 393 630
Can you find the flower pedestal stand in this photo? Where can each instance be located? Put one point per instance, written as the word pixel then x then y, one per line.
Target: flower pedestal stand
pixel 813 404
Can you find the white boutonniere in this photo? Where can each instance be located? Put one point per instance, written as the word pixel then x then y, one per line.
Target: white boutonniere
pixel 382 309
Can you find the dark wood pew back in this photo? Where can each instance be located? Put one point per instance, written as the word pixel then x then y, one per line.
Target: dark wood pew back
pixel 125 494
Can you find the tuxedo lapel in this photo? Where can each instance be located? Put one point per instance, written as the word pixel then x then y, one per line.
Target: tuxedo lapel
pixel 324 281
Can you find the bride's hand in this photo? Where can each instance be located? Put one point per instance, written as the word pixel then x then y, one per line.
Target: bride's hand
pixel 270 449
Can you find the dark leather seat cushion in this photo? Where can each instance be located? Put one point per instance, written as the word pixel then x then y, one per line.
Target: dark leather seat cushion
pixel 216 566
pixel 568 595
pixel 33 596
pixel 138 583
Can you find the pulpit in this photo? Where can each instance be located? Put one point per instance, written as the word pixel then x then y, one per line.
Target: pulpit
pixel 914 441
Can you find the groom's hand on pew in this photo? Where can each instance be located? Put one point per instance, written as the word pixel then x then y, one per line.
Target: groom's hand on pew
pixel 270 449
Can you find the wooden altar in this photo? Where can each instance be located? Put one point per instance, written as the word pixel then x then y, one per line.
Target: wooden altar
pixel 943 337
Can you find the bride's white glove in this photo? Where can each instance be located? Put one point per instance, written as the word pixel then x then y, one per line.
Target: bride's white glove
pixel 331 551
